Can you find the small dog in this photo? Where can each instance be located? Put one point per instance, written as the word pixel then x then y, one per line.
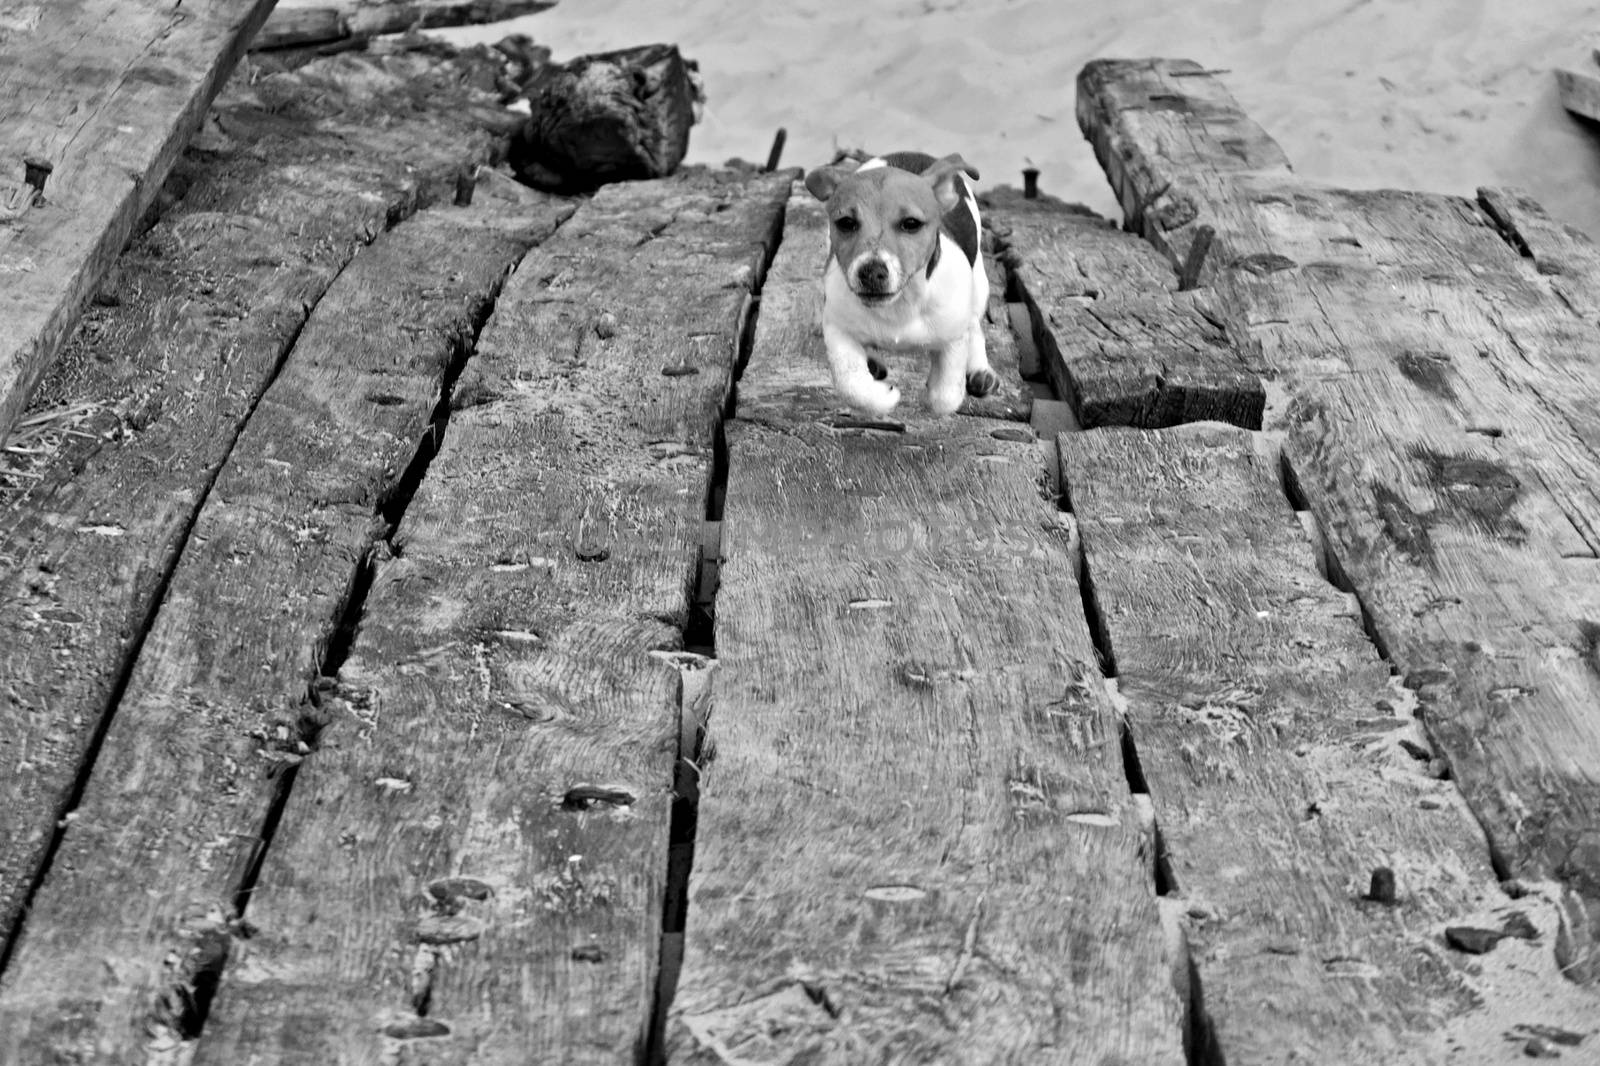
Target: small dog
pixel 904 273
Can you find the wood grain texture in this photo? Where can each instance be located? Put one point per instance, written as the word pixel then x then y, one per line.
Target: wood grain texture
pixel 1171 138
pixel 472 866
pixel 916 842
pixel 188 331
pixel 791 321
pixel 1115 334
pixel 1438 405
pixel 1281 757
pixel 140 903
pixel 103 93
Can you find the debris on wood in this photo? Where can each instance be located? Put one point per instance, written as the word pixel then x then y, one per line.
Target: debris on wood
pixel 297 25
pixel 1472 940
pixel 613 116
pixel 91 150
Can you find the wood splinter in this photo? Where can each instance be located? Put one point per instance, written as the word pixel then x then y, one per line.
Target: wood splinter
pixel 1189 276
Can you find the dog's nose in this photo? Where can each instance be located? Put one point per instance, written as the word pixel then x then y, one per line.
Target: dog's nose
pixel 873 276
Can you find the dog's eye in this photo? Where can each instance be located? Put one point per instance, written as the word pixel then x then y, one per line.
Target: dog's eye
pixel 846 224
pixel 911 225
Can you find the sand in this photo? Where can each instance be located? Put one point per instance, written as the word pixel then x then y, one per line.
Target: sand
pixel 1429 94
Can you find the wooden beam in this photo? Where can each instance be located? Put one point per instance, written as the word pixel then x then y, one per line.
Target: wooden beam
pixel 192 330
pixel 99 99
pixel 1438 407
pixel 1289 773
pixel 473 861
pixel 915 839
pixel 1116 336
pixel 186 334
pixel 298 23
pixel 179 805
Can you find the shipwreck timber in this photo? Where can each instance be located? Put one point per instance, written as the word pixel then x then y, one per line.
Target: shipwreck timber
pixel 457 623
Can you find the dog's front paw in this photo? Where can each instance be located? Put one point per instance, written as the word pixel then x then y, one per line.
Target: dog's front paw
pixel 880 399
pixel 943 397
pixel 982 382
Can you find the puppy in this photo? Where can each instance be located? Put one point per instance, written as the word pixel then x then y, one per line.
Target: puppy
pixel 904 274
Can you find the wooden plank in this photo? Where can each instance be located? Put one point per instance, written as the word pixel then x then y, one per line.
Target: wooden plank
pixel 1205 142
pixel 1116 335
pixel 1286 766
pixel 472 866
pixel 187 333
pixel 296 23
pixel 137 913
pixel 915 838
pixel 1439 419
pixel 792 299
pixel 100 140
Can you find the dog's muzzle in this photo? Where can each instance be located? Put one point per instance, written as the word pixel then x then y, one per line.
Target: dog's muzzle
pixel 874 281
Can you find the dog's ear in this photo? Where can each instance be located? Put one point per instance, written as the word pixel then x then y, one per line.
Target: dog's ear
pixel 942 176
pixel 822 181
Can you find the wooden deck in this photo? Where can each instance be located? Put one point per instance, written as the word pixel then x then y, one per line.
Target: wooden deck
pixel 448 624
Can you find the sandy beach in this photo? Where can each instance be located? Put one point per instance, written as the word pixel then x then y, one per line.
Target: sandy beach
pixel 1442 95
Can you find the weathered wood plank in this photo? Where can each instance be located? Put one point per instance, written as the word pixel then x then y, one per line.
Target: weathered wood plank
pixel 792 302
pixel 1114 332
pixel 138 910
pixel 1128 107
pixel 1283 762
pixel 100 97
pixel 296 23
pixel 187 333
pixel 472 866
pixel 916 842
pixel 1440 421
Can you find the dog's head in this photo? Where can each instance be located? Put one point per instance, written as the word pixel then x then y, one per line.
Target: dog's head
pixel 883 221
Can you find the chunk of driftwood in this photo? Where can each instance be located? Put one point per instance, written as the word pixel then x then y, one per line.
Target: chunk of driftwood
pixel 614 116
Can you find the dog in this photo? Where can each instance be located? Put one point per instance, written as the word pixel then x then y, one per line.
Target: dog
pixel 904 273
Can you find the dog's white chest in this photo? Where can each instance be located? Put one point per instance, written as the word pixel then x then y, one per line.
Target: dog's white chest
pixel 930 313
